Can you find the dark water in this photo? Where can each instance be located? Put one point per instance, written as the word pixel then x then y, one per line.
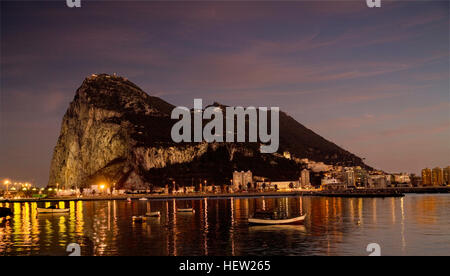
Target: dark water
pixel 414 225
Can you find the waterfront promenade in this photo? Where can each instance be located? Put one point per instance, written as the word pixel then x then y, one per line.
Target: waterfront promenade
pixel 387 192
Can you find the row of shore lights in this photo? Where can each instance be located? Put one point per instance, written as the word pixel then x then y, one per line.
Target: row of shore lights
pixel 25 186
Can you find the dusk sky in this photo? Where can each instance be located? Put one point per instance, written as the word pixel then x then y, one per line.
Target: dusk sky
pixel 373 81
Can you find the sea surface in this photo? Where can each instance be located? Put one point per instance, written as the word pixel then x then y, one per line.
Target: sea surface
pixel 413 225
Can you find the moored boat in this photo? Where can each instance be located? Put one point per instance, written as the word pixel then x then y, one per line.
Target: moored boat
pixel 52 210
pixel 186 210
pixel 143 199
pixel 271 220
pixel 153 214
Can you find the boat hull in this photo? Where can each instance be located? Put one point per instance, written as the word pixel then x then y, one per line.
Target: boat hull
pixel 188 210
pixel 297 220
pixel 141 218
pixel 153 214
pixel 52 211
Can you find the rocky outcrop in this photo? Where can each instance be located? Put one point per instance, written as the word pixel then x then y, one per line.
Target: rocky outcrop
pixel 115 132
pixel 97 132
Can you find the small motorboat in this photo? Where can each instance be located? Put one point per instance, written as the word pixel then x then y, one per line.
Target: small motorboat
pixel 143 199
pixel 153 214
pixel 186 210
pixel 52 210
pixel 274 219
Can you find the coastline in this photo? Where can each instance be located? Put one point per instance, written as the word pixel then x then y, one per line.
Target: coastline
pixel 366 193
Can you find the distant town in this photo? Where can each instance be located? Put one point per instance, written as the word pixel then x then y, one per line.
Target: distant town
pixel 315 176
pixel 318 175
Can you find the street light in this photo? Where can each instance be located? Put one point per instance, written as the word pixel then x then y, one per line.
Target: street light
pixel 6 182
pixel 102 187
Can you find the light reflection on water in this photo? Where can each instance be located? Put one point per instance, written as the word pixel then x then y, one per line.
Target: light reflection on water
pixel 413 225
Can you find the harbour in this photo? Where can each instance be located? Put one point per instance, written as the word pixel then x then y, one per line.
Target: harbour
pixel 219 226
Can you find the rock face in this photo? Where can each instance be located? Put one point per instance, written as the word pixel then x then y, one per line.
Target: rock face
pixel 115 132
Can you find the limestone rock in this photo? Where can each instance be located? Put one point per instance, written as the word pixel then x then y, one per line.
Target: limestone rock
pixel 115 132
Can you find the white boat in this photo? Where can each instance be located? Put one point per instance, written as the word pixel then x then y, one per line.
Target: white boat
pixel 268 221
pixel 153 214
pixel 143 198
pixel 129 199
pixel 186 210
pixel 52 211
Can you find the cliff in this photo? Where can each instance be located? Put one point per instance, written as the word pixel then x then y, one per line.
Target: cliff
pixel 115 132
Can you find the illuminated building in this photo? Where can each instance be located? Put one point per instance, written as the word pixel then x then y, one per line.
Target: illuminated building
pixel 402 180
pixel 329 183
pixel 426 177
pixel 284 185
pixel 446 175
pixel 437 177
pixel 304 178
pixel 241 179
pixel 349 177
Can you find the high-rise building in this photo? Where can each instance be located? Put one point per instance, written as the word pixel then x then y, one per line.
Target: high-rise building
pixel 349 177
pixel 304 179
pixel 446 174
pixel 437 177
pixel 426 177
